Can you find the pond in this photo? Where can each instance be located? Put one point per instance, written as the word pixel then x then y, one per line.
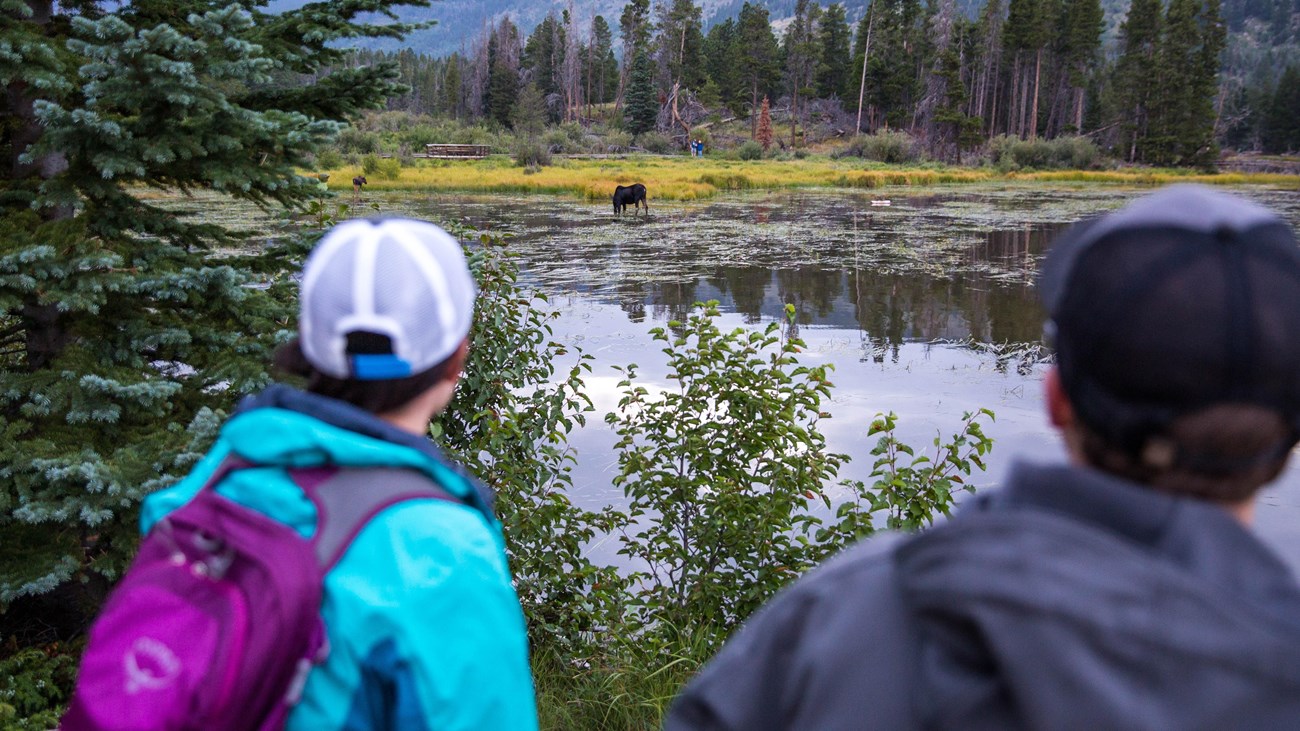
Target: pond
pixel 924 306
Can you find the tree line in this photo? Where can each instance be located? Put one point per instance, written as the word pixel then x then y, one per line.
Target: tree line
pixel 1024 68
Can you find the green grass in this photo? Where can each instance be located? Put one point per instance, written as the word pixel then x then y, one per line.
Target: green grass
pixel 628 686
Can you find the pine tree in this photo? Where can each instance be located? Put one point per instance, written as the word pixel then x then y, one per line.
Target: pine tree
pixel 1281 124
pixel 681 44
pixel 898 60
pixel 834 68
pixel 601 57
pixel 642 110
pixel 801 52
pixel 1136 77
pixel 1182 119
pixel 1079 42
pixel 127 328
pixel 544 54
pixel 528 117
pixel 503 58
pixel 451 104
pixel 755 53
pixel 719 52
pixel 634 28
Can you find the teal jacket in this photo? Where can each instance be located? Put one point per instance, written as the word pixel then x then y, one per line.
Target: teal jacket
pixel 424 626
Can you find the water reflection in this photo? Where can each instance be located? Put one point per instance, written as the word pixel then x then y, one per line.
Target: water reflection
pixel 926 308
pixel 929 267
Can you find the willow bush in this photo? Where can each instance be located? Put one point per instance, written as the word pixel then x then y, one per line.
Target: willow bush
pixel 729 476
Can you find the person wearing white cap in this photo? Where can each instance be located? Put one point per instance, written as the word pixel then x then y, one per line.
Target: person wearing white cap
pixel 423 626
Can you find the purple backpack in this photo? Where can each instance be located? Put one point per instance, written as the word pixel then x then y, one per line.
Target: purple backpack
pixel 217 622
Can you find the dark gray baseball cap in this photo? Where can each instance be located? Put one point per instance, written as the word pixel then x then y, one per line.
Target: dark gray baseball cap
pixel 1184 299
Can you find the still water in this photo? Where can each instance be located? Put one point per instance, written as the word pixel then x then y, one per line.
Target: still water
pixel 925 307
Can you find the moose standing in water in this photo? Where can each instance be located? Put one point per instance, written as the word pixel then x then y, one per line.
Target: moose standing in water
pixel 357 182
pixel 633 195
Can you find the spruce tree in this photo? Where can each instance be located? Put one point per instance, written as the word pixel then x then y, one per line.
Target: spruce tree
pixel 1281 125
pixel 719 52
pixel 601 53
pixel 544 54
pixel 1182 120
pixel 756 54
pixel 834 68
pixel 634 26
pixel 1078 44
pixel 1136 79
pixel 801 52
pixel 642 110
pixel 130 328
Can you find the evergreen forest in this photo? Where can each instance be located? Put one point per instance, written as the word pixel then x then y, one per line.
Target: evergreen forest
pixel 1156 83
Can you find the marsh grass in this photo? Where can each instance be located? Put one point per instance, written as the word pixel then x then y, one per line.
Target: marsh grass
pixel 685 179
pixel 629 685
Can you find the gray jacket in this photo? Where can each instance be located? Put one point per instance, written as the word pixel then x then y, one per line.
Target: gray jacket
pixel 1070 600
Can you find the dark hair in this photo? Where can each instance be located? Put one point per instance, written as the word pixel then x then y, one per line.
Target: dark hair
pixel 377 397
pixel 1223 453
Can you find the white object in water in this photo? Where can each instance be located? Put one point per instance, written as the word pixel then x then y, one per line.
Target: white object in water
pixel 880 203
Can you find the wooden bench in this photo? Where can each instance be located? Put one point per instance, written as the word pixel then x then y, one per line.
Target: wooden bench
pixel 456 152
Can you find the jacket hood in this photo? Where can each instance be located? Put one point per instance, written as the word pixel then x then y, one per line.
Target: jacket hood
pixel 286 427
pixel 1076 600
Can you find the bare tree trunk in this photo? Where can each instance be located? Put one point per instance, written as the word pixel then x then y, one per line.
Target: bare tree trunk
pixel 1024 103
pixel 678 117
pixel 1033 117
pixel 866 53
pixel 1013 113
pixel 794 114
pixel 591 42
pixel 1078 110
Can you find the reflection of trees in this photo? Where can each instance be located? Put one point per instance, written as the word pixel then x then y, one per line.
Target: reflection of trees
pixel 1008 313
pixel 672 300
pixel 747 287
pixel 810 287
pixel 631 298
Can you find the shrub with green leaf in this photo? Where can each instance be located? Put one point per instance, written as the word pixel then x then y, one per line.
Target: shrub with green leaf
pixel 1011 153
pixel 509 424
pixel 887 146
pixel 728 474
pixel 385 168
pixel 529 153
pixel 720 469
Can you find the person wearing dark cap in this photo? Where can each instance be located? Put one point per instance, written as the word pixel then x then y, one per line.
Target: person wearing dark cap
pixel 423 627
pixel 1123 590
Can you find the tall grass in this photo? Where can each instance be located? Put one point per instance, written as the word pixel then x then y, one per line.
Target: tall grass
pixel 685 178
pixel 629 685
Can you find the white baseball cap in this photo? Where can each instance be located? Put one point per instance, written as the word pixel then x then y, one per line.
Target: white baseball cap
pixel 403 279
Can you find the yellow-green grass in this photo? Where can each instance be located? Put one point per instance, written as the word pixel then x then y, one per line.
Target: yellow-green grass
pixel 684 178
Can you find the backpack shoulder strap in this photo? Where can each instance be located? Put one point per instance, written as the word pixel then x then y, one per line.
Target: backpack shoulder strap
pixel 348 498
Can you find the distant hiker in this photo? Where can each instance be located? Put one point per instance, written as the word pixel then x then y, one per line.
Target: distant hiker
pixel 633 195
pixel 357 182
pixel 324 567
pixel 1124 590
